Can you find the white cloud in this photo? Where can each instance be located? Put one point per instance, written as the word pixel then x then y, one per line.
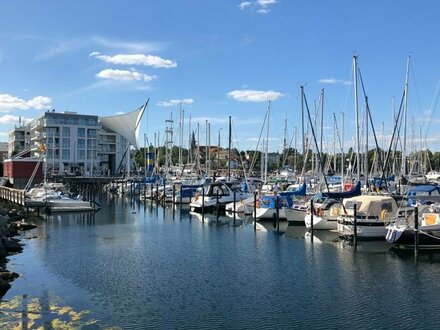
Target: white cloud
pixel 53 48
pixel 125 75
pixel 263 11
pixel 265 3
pixel 245 4
pixel 10 119
pixel 174 102
pixel 130 46
pixel 247 95
pixel 261 6
pixel 120 113
pixel 334 81
pixel 9 103
pixel 136 59
pixel 40 102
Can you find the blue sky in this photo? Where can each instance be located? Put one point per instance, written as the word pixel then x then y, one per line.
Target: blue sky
pixel 220 58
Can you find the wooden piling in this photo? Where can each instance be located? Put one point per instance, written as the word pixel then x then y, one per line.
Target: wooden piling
pixel 277 213
pixel 355 225
pixel 203 204
pixel 416 233
pixel 312 211
pixel 255 210
pixel 235 194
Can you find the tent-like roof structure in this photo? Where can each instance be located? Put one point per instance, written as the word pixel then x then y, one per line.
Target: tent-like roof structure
pixel 126 124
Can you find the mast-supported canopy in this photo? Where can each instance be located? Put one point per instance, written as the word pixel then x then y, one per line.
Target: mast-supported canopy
pixel 126 124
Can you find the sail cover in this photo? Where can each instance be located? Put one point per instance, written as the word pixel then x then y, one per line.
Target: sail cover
pixel 126 124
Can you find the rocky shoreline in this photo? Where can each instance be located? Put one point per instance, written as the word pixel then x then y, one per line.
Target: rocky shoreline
pixel 12 222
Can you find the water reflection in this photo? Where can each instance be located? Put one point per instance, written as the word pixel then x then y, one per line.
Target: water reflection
pixel 45 312
pixel 140 265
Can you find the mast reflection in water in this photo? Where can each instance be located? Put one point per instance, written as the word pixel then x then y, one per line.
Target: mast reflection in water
pixel 138 266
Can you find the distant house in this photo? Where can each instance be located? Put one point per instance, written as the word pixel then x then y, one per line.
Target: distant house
pixel 19 171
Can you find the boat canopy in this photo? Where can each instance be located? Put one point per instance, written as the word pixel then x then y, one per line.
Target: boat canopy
pixel 301 191
pixel 354 191
pixel 372 204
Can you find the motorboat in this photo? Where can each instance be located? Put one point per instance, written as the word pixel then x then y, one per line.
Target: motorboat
pixel 374 213
pixel 216 197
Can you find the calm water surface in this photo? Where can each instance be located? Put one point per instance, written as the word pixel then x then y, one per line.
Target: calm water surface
pixel 135 267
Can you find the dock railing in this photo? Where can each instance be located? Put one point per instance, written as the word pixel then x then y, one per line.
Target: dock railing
pixel 16 196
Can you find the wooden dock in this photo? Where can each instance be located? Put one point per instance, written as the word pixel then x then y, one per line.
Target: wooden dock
pixel 15 196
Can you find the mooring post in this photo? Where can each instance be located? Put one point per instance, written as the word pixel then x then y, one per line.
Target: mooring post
pixel 235 196
pixel 312 211
pixel 217 207
pixel 164 194
pixel 277 212
pixel 157 193
pixel 172 205
pixel 180 201
pixel 255 210
pixel 203 204
pixel 355 225
pixel 416 233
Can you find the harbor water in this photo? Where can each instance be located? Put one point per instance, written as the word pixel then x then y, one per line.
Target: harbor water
pixel 136 266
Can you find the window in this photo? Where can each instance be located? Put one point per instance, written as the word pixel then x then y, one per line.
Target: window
pixel 66 143
pixel 387 206
pixel 350 205
pixel 81 132
pixel 81 143
pixel 66 154
pixel 81 154
pixel 66 131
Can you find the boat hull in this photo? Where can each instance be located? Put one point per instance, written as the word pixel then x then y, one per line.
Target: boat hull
pixel 321 222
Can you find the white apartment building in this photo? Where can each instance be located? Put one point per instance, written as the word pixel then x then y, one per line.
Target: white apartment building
pixel 76 144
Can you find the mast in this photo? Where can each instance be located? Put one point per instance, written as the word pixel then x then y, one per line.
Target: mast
pixel 206 147
pixel 145 155
pixel 198 148
pixel 322 121
pixel 342 147
pixel 180 135
pixel 229 150
pixel 285 142
pixel 405 118
pixel 356 108
pixel 366 143
pixel 267 143
pixel 302 121
pixel 218 150
pixel 209 153
pixel 335 127
pixel 295 150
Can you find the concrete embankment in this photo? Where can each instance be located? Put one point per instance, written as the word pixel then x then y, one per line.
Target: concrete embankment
pixel 12 222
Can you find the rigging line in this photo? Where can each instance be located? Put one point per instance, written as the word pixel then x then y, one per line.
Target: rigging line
pixel 433 106
pixel 254 160
pixel 238 148
pixel 394 132
pixel 349 83
pixel 316 142
pixel 415 85
pixel 372 126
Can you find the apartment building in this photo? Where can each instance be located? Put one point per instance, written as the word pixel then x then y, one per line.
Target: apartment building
pixel 76 144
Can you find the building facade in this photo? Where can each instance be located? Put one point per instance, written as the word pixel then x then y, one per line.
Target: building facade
pixel 75 144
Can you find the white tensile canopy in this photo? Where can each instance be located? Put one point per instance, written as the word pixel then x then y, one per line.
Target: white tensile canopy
pixel 126 124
